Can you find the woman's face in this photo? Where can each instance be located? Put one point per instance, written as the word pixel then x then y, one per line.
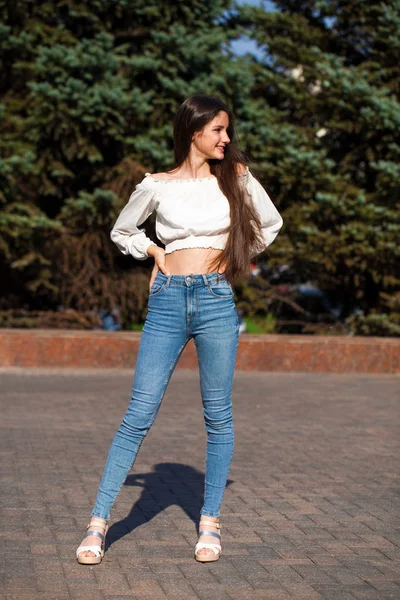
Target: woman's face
pixel 210 142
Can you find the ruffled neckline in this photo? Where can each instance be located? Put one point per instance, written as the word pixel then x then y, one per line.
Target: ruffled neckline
pixel 180 180
pixel 193 179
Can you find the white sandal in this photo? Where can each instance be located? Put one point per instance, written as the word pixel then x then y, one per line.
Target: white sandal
pixel 98 550
pixel 216 548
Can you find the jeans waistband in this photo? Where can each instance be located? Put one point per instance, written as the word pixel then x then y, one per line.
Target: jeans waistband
pixel 192 279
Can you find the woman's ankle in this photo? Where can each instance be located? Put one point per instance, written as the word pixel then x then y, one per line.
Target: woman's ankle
pixel 98 522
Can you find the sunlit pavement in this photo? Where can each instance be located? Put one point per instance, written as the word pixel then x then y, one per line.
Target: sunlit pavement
pixel 311 510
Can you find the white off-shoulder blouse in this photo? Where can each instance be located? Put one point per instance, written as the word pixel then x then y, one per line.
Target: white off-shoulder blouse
pixel 190 213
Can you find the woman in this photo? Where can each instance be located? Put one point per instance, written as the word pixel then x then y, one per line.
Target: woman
pixel 212 215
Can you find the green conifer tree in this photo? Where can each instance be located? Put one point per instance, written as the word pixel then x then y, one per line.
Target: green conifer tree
pixel 323 121
pixel 89 90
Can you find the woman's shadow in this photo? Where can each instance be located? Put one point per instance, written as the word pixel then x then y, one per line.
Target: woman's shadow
pixel 169 484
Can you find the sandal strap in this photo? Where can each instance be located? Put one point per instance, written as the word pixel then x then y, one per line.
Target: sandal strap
pixel 217 535
pixel 215 524
pixel 100 523
pixel 216 548
pixel 100 535
pixel 95 549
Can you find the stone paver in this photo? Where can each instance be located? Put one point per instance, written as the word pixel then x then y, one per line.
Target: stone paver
pixel 310 510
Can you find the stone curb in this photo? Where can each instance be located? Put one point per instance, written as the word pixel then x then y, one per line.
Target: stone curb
pixel 281 353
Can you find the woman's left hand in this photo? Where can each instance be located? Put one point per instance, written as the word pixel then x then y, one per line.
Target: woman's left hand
pixel 153 275
pixel 159 263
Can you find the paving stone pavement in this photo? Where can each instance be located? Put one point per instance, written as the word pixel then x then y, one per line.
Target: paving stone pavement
pixel 310 511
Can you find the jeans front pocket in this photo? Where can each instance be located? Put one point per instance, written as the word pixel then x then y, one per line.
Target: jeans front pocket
pixel 156 288
pixel 221 289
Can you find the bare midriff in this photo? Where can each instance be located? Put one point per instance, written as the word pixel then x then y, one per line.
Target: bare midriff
pixel 192 261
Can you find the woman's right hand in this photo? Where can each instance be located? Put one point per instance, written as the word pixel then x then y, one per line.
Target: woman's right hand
pixel 159 262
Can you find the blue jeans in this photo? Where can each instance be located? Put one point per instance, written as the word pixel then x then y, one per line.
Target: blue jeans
pixel 181 307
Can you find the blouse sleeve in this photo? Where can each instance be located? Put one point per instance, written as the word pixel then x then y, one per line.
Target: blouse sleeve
pixel 271 220
pixel 128 238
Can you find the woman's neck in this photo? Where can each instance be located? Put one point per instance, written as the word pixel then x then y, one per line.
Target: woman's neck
pixel 192 170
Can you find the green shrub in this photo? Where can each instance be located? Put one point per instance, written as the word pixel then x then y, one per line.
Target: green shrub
pixel 136 326
pixel 265 324
pixel 373 325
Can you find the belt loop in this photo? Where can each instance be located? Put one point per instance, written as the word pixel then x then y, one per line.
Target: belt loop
pixel 168 281
pixel 205 279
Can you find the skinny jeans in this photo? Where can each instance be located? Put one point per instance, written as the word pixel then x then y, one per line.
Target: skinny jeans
pixel 181 307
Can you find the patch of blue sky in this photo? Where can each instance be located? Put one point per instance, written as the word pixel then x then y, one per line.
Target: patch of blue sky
pixel 267 4
pixel 245 45
pixel 330 21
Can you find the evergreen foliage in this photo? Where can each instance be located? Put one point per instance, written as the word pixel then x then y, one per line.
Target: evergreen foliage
pixel 323 123
pixel 88 92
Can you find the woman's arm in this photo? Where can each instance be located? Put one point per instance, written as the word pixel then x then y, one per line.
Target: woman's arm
pixel 271 220
pixel 125 234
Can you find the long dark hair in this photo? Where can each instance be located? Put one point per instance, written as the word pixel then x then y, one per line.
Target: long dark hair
pixel 244 231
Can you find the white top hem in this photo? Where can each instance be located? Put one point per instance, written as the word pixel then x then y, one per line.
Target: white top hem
pixel 217 242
